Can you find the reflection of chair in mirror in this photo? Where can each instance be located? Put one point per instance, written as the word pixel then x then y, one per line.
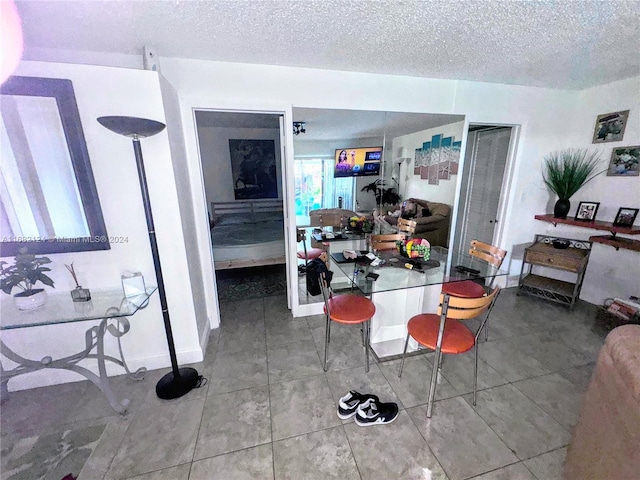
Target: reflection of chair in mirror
pixel 330 217
pixel 325 220
pixel 385 242
pixel 407 226
pixel 306 254
pixel 445 333
pixel 468 288
pixel 348 310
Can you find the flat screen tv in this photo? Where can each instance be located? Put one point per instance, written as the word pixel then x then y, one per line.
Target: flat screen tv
pixel 356 162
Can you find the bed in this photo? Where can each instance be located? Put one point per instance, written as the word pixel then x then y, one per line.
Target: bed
pixel 247 233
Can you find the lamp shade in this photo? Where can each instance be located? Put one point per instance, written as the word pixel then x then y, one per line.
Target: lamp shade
pixel 131 126
pixel 10 39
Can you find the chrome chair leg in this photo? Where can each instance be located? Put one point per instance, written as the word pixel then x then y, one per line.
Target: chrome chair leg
pixel 404 354
pixel 475 373
pixel 434 378
pixel 366 333
pixel 326 341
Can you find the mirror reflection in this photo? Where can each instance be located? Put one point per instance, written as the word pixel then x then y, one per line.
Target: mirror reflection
pixel 355 169
pixel 49 200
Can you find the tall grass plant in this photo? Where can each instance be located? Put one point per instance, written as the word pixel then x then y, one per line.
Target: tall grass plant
pixel 567 171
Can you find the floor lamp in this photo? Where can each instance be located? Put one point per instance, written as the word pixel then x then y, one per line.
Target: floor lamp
pixel 180 380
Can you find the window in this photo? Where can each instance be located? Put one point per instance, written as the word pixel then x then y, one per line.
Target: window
pixel 316 188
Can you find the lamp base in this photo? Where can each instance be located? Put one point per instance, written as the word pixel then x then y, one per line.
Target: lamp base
pixel 170 387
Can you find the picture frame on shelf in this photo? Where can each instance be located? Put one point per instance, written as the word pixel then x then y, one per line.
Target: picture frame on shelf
pixel 610 127
pixel 587 211
pixel 625 217
pixel 625 162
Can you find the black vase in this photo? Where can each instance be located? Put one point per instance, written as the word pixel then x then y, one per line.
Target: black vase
pixel 561 208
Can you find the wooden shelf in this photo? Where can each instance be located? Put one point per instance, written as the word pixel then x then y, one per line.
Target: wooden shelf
pixel 549 284
pixel 617 242
pixel 611 240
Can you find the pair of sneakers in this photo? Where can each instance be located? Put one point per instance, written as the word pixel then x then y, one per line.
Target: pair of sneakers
pixel 367 408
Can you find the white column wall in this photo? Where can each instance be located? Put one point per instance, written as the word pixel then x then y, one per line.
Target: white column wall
pixel 104 91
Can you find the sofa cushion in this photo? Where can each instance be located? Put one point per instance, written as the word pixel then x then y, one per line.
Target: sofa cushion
pixel 441 209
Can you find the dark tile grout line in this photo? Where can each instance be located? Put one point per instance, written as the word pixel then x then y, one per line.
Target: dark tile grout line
pixel 273 457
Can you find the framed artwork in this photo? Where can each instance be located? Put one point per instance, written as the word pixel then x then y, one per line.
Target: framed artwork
pixel 587 211
pixel 253 168
pixel 625 217
pixel 624 162
pixel 610 127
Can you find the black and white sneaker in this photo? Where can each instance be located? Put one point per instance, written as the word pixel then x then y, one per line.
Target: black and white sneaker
pixel 348 404
pixel 374 412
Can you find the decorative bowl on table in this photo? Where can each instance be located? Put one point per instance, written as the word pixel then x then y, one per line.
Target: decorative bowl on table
pixel 414 248
pixel 560 243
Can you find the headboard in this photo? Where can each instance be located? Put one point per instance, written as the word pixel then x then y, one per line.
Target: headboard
pixel 245 206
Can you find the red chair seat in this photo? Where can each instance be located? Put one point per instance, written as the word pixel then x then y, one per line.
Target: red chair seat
pixel 464 289
pixel 350 309
pixel 457 338
pixel 312 254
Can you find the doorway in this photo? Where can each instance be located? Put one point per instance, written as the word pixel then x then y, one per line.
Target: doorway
pixel 481 195
pixel 242 163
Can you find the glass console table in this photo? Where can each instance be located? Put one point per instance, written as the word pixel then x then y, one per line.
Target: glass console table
pixel 108 306
pixel 400 293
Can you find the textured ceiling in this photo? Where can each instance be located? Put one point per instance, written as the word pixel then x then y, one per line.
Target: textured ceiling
pixel 559 44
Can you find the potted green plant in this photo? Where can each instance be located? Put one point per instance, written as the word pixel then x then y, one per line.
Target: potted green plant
pixel 24 274
pixel 384 196
pixel 567 171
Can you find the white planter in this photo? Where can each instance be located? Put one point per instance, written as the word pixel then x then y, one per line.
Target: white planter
pixel 30 302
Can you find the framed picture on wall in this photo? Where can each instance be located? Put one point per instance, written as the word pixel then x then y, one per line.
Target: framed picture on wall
pixel 610 127
pixel 587 211
pixel 253 167
pixel 624 162
pixel 625 217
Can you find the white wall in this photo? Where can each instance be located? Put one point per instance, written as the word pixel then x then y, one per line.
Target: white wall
pixel 610 273
pixel 183 184
pixel 216 159
pixel 549 120
pixel 104 91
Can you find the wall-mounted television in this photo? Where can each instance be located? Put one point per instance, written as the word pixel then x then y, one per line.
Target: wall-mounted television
pixel 356 162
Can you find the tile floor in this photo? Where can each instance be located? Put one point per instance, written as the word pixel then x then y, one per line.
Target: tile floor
pixel 268 410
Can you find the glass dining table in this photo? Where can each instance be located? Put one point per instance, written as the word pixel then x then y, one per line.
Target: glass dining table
pixel 401 288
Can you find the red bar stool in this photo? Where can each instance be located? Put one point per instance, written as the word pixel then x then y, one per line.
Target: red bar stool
pixel 469 288
pixel 445 333
pixel 350 310
pixel 306 255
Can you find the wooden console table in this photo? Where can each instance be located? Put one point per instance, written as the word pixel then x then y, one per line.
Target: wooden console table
pixel 612 240
pixel 108 306
pixel 542 253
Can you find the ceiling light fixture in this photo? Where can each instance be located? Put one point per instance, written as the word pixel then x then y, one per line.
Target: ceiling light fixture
pixel 299 127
